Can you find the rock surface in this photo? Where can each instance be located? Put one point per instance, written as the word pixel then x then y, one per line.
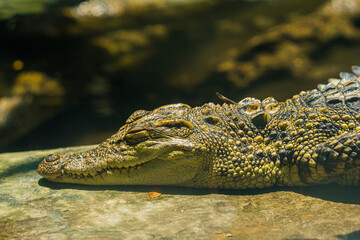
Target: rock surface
pixel 33 208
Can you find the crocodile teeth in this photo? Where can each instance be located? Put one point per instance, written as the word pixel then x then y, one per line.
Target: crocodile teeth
pixel 108 170
pixel 103 164
pixel 112 164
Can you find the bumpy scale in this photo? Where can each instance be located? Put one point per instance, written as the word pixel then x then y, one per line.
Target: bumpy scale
pixel 311 138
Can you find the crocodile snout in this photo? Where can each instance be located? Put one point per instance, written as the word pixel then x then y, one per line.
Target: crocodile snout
pixel 51 166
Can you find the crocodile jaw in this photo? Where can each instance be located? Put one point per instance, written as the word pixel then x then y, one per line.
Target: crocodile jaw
pixel 154 172
pixel 166 162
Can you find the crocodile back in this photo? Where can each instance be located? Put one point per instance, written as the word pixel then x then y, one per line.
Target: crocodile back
pixel 301 141
pixel 338 94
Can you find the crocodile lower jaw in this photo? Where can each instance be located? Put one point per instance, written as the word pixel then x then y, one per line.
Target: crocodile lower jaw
pixel 81 176
pixel 106 171
pixel 154 172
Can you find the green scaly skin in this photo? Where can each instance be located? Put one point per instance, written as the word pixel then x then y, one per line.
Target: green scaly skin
pixel 312 138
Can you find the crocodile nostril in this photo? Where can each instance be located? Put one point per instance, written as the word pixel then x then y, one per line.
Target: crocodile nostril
pixel 52 158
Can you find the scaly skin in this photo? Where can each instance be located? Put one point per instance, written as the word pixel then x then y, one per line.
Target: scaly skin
pixel 310 138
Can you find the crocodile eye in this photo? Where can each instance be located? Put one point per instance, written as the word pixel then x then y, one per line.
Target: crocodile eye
pixel 179 123
pixel 174 128
pixel 137 137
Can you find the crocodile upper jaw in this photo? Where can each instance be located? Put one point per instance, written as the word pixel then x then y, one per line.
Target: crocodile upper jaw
pixel 154 172
pixel 155 162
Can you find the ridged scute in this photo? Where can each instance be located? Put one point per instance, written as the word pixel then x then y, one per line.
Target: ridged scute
pixel 339 93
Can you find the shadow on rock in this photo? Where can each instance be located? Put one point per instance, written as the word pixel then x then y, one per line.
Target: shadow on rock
pixel 20 168
pixel 330 192
pixel 351 236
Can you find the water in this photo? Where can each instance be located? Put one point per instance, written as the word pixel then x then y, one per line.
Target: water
pixel 144 54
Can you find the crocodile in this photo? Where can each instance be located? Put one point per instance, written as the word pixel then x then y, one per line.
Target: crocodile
pixel 311 138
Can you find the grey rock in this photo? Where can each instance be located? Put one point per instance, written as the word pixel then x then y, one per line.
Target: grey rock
pixel 33 208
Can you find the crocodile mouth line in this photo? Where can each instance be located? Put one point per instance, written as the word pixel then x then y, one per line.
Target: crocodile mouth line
pixel 105 171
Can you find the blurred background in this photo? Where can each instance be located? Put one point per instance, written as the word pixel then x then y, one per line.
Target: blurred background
pixel 72 71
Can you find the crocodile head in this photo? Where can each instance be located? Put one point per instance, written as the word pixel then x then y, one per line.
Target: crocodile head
pixel 159 147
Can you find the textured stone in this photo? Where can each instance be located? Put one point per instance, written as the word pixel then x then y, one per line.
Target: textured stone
pixel 33 208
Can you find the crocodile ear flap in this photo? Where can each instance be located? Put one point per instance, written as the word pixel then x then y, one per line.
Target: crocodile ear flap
pixel 213 120
pixel 260 120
